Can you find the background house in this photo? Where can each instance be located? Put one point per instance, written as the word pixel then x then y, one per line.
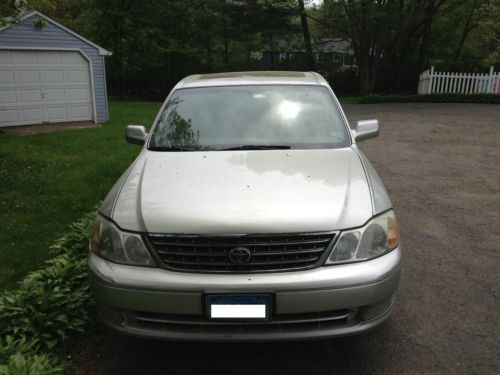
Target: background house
pixel 331 55
pixel 49 73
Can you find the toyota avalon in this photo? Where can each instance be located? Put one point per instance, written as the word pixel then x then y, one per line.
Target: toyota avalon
pixel 249 214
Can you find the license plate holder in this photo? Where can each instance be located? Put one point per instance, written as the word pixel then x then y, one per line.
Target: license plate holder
pixel 239 307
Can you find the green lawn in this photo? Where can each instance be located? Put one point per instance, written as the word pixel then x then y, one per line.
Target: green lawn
pixel 49 180
pixel 349 99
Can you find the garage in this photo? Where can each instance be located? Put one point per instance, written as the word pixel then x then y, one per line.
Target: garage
pixel 50 74
pixel 44 86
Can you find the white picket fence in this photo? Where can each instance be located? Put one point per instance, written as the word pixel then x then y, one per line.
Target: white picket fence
pixel 432 82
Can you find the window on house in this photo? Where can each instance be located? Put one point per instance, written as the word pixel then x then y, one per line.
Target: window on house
pixel 348 60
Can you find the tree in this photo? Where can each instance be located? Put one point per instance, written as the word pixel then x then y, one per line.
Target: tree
pixel 380 30
pixel 156 42
pixel 307 37
pixel 11 11
pixel 463 38
pixel 423 57
pixel 476 12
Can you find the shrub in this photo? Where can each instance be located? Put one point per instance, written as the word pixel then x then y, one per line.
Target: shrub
pixel 18 358
pixel 432 98
pixel 51 305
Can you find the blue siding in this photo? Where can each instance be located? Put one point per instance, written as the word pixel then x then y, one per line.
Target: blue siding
pixel 52 36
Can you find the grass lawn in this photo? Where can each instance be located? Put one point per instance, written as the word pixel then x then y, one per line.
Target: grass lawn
pixel 49 180
pixel 349 99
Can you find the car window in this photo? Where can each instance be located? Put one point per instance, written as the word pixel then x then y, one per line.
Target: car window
pixel 250 116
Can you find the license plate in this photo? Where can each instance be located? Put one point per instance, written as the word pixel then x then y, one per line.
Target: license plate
pixel 239 307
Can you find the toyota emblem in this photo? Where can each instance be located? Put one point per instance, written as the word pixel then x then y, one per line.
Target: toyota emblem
pixel 239 255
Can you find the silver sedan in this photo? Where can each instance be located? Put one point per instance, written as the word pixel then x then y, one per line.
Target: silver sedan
pixel 249 214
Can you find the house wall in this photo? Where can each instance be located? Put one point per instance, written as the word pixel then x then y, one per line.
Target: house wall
pixel 52 36
pixel 296 60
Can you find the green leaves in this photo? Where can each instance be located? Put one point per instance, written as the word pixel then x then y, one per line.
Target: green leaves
pixel 17 357
pixel 51 305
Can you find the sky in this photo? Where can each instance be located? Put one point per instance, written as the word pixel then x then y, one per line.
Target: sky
pixel 316 2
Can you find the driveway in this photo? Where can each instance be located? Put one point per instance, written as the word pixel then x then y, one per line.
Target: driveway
pixel 441 165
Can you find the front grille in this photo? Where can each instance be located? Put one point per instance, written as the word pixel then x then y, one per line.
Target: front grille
pixel 190 326
pixel 190 320
pixel 269 252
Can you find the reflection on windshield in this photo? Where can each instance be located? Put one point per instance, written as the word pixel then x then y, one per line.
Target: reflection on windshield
pixel 262 117
pixel 179 132
pixel 289 110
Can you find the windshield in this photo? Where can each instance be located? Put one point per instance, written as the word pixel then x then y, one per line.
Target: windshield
pixel 249 117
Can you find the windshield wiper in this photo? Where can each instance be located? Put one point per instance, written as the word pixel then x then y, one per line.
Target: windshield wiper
pixel 206 148
pixel 256 147
pixel 177 148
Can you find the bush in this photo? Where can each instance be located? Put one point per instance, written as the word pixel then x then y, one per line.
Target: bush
pixel 51 305
pixel 18 357
pixel 432 98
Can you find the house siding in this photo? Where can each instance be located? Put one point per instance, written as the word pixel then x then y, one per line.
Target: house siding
pixel 52 36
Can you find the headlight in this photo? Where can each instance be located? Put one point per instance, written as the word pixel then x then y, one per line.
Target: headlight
pixel 111 243
pixel 376 238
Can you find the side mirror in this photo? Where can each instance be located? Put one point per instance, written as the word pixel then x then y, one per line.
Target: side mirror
pixel 366 129
pixel 136 134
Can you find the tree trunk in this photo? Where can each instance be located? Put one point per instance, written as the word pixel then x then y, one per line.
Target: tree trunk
pixel 208 60
pixel 225 53
pixel 467 29
pixel 307 36
pixel 364 81
pixel 367 74
pixel 119 57
pixel 271 52
pixel 423 56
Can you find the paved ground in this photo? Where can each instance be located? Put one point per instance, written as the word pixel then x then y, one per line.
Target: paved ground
pixel 441 165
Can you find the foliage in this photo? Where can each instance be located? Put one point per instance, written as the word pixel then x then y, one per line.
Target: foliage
pixel 17 357
pixel 381 31
pixel 39 23
pixel 52 302
pixel 50 306
pixel 155 43
pixel 50 180
pixel 395 40
pixel 432 98
pixel 11 11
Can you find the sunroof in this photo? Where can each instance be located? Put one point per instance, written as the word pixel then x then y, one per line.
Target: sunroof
pixel 252 74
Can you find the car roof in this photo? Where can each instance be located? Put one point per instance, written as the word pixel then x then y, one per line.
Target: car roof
pixel 252 78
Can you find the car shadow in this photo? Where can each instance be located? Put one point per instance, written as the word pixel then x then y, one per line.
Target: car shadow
pixel 345 355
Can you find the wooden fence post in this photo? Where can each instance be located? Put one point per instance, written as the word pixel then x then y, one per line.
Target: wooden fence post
pixel 489 88
pixel 431 76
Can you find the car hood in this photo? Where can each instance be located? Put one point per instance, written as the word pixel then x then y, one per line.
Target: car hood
pixel 242 192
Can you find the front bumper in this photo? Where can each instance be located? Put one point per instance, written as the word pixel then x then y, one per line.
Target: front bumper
pixel 324 302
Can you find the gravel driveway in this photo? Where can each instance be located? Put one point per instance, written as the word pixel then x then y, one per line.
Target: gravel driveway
pixel 441 165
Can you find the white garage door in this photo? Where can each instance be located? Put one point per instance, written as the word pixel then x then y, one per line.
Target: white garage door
pixel 43 86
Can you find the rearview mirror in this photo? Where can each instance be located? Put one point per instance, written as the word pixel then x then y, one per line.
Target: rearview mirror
pixel 366 129
pixel 136 134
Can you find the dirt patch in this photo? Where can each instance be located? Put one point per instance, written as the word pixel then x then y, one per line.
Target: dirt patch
pixel 48 128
